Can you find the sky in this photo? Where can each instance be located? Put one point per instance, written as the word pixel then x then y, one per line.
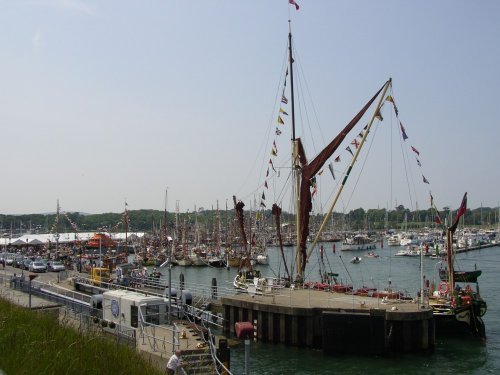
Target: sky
pixel 107 102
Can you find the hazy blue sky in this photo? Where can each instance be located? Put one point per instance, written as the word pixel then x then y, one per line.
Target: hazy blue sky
pixel 114 100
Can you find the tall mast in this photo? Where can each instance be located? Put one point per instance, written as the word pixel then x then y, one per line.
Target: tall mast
pixel 165 225
pixel 295 162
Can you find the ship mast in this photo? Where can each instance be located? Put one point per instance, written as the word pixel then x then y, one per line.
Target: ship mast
pixel 295 164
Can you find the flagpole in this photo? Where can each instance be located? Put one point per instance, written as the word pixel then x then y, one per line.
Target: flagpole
pixel 353 161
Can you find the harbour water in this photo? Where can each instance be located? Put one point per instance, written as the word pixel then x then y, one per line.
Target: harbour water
pixel 451 356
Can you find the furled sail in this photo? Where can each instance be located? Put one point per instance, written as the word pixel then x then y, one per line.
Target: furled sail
pixel 310 169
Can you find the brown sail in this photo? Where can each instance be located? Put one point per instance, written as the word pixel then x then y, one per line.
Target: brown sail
pixel 310 169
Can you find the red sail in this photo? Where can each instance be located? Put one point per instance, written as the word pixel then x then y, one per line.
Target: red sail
pixel 309 170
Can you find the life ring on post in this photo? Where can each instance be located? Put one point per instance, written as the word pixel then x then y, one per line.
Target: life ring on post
pixel 443 288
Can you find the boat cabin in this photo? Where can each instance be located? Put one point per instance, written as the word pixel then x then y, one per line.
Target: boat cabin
pixel 125 307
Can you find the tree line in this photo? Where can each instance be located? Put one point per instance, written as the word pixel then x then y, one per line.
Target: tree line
pixel 153 220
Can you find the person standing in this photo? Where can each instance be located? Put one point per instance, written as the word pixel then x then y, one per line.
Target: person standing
pixel 174 362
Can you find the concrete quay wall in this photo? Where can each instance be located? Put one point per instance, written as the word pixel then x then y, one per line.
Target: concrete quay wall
pixel 339 328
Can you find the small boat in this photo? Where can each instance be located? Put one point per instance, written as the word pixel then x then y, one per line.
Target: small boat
pixel 356 260
pixel 217 262
pixel 262 259
pixel 359 242
pixel 372 254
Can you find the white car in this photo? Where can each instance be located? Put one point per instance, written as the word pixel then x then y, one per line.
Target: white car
pixel 55 266
pixel 37 266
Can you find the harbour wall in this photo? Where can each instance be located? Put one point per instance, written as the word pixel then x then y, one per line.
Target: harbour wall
pixel 336 331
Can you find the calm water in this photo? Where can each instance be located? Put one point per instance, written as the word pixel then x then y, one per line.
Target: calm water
pixel 452 356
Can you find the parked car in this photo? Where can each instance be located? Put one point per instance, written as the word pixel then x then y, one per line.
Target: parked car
pixel 9 259
pixel 26 264
pixel 55 266
pixel 18 261
pixel 37 266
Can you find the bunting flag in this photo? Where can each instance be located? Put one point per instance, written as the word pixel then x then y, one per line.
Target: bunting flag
pixel 460 213
pixel 418 162
pixel 265 185
pixel 273 152
pixel 278 132
pixel 284 100
pixel 337 159
pixel 292 2
pixel 263 196
pixel 267 173
pixel 415 150
pixel 403 132
pixel 282 111
pixel 378 115
pixel 424 179
pixel 280 120
pixel 349 149
pixel 391 99
pixel 262 204
pixel 272 166
pixel 355 143
pixel 360 135
pixel 320 172
pixel 330 167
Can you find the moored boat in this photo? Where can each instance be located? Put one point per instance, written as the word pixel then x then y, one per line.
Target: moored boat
pixel 457 304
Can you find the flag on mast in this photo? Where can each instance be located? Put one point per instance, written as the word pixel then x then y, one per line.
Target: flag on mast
pixel 292 2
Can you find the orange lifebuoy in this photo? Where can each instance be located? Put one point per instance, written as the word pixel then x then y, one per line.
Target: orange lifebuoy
pixel 443 288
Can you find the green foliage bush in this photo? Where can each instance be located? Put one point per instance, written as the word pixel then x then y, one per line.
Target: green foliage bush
pixel 34 342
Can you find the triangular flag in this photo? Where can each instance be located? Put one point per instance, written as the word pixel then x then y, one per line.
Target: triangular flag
pixel 349 149
pixel 405 137
pixel 267 174
pixel 378 115
pixel 278 132
pixel 391 99
pixel 280 120
pixel 273 152
pixel 330 167
pixel 272 166
pixel 337 159
pixel 355 143
pixel 418 162
pixel 284 99
pixel 415 150
pixel 265 185
pixel 424 179
pixel 282 111
pixel 320 172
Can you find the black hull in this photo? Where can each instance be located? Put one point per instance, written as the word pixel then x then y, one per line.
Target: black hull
pixel 459 322
pixel 219 263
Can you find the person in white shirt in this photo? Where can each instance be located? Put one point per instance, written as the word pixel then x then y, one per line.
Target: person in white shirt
pixel 174 362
